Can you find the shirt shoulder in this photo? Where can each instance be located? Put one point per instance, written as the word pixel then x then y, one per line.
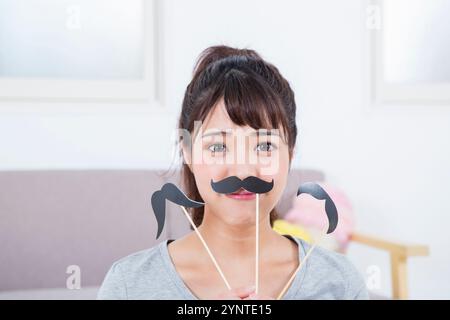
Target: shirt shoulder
pixel 140 275
pixel 330 275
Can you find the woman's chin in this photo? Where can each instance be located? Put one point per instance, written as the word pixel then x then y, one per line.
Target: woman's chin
pixel 232 214
pixel 240 219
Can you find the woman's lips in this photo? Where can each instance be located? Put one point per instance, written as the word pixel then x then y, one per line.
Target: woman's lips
pixel 241 194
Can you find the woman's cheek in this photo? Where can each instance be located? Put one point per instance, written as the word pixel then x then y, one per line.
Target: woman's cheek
pixel 275 194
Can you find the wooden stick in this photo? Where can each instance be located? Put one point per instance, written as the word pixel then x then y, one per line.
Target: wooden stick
pixel 257 246
pixel 286 287
pixel 206 247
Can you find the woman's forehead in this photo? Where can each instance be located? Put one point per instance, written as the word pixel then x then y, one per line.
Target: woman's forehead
pixel 218 117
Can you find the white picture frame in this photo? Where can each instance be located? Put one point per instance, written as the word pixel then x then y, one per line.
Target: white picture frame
pixel 382 92
pixel 146 91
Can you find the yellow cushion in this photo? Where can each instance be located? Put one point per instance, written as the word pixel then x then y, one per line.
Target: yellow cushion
pixel 284 227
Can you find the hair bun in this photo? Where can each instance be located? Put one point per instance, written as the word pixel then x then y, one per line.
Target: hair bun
pixel 214 53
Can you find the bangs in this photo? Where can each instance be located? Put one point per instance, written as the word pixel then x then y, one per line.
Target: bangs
pixel 249 101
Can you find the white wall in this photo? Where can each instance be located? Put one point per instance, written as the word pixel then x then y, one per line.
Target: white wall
pixel 393 162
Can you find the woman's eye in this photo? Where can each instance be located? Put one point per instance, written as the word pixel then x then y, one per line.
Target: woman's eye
pixel 217 147
pixel 265 147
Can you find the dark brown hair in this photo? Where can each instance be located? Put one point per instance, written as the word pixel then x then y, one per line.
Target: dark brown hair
pixel 254 93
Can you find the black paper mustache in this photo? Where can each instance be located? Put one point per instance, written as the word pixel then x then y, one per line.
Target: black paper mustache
pixel 170 192
pixel 317 192
pixel 233 183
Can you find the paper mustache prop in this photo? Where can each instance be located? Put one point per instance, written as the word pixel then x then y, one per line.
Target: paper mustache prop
pixel 317 192
pixel 169 192
pixel 233 184
pixel 251 184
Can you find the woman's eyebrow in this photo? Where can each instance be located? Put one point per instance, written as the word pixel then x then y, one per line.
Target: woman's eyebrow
pixel 269 132
pixel 217 133
pixel 262 132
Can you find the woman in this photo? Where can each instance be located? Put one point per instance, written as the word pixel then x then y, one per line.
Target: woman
pixel 233 94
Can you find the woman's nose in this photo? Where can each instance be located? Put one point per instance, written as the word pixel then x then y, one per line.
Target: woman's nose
pixel 242 171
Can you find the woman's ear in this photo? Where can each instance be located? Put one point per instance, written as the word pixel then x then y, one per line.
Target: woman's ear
pixel 294 152
pixel 291 157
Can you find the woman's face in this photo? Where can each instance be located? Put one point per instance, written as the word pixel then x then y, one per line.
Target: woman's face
pixel 222 149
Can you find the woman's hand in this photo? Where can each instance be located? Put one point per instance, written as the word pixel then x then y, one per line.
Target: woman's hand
pixel 254 296
pixel 237 293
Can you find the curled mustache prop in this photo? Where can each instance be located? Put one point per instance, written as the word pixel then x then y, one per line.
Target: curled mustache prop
pixel 233 184
pixel 169 192
pixel 317 192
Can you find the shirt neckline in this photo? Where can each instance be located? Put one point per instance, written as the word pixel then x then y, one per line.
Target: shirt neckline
pixel 189 295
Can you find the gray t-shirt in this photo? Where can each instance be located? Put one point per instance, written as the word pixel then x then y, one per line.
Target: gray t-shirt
pixel 151 274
